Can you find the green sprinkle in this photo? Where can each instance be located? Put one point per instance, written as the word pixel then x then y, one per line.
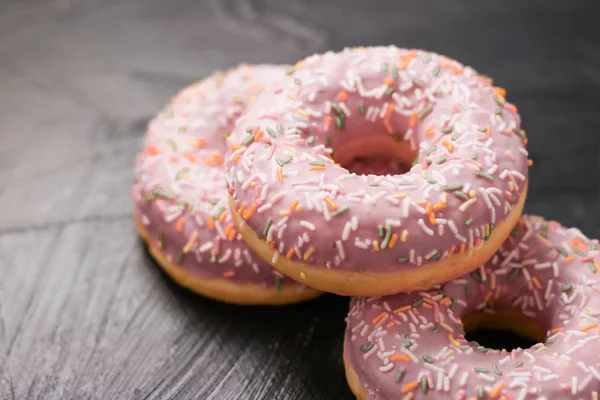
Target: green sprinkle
pixel 172 144
pixel 337 110
pixel 437 328
pixel 182 172
pixel 388 236
pixel 418 82
pixel 544 234
pixel 485 175
pixel 179 256
pixel 424 385
pixel 479 392
pixel 366 347
pixel 424 112
pixel 481 369
pixel 417 303
pixel 380 230
pixel 469 221
pixel 474 157
pixel 330 142
pixel 436 71
pixel 498 111
pixel 279 162
pixel 290 70
pixel 340 122
pixel 267 226
pixel 440 291
pixel 219 213
pixel 427 359
pixel 407 342
pixel 399 374
pixel 288 159
pixel 496 370
pixel 514 273
pixel 310 140
pixel 181 202
pixel 271 132
pixel 403 259
pixel 567 287
pixel 150 197
pixel 427 58
pixel 394 70
pixel 441 160
pixel 280 129
pixel 160 192
pixel 431 181
pixel 461 195
pixel 467 289
pixel 340 210
pixel 550 341
pixel 592 267
pixel 277 283
pixel 384 66
pixel 514 232
pixel 431 150
pixel 316 163
pixel 453 304
pixel 498 101
pixel 396 137
pixel 519 364
pixel 561 251
pixel 213 201
pixel 483 349
pixel 579 252
pixel 415 162
pixel 389 91
pixel 520 133
pixel 249 129
pixel 161 239
pixel 477 277
pixel 451 188
pixel 249 139
pixel 213 258
pixel 361 108
pixel 447 129
pixel 435 256
pixel 297 81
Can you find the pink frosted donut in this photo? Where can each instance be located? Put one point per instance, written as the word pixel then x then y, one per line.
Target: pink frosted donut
pixel 542 282
pixel 180 194
pixel 353 234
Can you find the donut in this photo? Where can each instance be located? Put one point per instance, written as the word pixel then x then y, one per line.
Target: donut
pixel 180 194
pixel 461 192
pixel 542 283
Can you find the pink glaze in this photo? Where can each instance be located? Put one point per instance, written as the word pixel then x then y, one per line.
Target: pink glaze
pixel 545 271
pixel 180 191
pixel 472 165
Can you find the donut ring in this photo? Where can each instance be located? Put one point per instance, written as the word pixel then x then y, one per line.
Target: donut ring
pixel 371 234
pixel 180 194
pixel 542 283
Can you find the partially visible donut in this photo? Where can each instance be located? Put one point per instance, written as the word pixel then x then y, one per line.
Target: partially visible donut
pixel 543 283
pixel 378 234
pixel 181 197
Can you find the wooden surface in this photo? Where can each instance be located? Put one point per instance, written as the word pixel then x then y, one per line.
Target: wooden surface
pixel 84 312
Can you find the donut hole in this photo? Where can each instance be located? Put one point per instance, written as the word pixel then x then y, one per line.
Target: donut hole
pixel 505 329
pixel 375 155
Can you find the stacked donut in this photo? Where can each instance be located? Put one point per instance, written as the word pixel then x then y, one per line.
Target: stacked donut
pixel 391 174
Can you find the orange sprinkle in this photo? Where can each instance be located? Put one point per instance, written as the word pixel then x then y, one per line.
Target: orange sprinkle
pixel 393 241
pixel 568 259
pixel 316 168
pixel 152 150
pixel 294 204
pixel 211 223
pixel 429 132
pixel 402 357
pixel 488 130
pixel 530 162
pixel 553 331
pixel 536 283
pixel 199 143
pixel 428 208
pixel 242 208
pixel 446 302
pixel 236 158
pixel 250 211
pixel 228 274
pixel 410 386
pixel 376 245
pixel 331 203
pixel 285 213
pixel 576 242
pixel 342 96
pixel 448 145
pixel 280 174
pixel 596 266
pixel 231 234
pixel 190 243
pixel 327 122
pixel 389 81
pixel 452 250
pixel 402 309
pixel 289 254
pixel 588 327
pixel 456 71
pixel 432 219
pixel 390 324
pixel 426 305
pixel 500 92
pixel 228 228
pixel 379 317
pixel 494 393
pixel 487 297
pixel 462 248
pixel 190 157
pixel 235 147
pixel 386 118
pixel 439 206
pixel 258 135
pixel 413 119
pixel 180 222
pixel 308 253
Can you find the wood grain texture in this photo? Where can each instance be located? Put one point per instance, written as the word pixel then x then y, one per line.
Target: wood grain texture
pixel 84 312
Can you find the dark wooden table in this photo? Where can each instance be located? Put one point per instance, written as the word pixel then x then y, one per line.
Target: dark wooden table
pixel 84 312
